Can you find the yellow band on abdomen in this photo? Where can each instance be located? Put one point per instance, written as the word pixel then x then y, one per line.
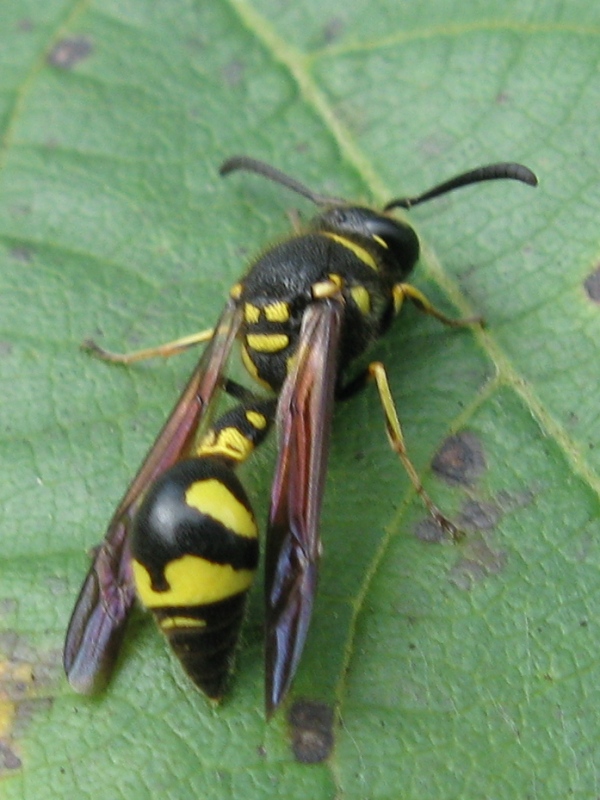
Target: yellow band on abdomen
pixel 193 581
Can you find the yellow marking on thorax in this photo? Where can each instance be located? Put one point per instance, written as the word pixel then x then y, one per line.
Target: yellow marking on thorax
pixel 258 421
pixel 251 313
pixel 193 581
pixel 357 249
pixel 380 241
pixel 228 442
pixel 181 622
pixel 213 498
pixel 329 288
pixel 236 291
pixel 278 311
pixel 267 342
pixel 362 298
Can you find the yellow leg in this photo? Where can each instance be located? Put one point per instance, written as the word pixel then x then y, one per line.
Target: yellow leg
pixel 295 220
pixel 163 350
pixel 394 431
pixel 404 291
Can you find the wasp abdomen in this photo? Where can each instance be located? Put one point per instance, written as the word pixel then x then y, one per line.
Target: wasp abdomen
pixel 204 640
pixel 194 554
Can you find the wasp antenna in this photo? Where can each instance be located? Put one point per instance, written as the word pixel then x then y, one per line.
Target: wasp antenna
pixel 492 172
pixel 273 174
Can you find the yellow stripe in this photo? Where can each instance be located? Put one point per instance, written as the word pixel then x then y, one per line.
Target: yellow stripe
pixel 277 311
pixel 214 498
pixel 181 622
pixel 252 369
pixel 258 421
pixel 228 442
pixel 358 251
pixel 362 299
pixel 193 581
pixel 236 291
pixel 380 241
pixel 267 342
pixel 251 313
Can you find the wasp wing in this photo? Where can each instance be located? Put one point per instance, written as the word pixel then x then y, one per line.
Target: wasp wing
pixel 304 416
pixel 98 621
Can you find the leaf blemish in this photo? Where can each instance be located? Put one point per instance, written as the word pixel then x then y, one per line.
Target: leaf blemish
pixel 68 52
pixel 478 515
pixel 592 285
pixel 481 561
pixel 312 731
pixel 333 29
pixel 18 701
pixel 233 72
pixel 430 531
pixel 460 460
pixel 21 253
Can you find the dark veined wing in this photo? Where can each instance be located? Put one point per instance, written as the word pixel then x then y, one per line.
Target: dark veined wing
pixel 304 416
pixel 98 621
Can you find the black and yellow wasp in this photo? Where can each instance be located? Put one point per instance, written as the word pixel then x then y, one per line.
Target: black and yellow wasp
pixel 184 536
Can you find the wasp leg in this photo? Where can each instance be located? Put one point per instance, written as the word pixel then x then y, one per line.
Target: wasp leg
pixel 163 350
pixel 295 220
pixel 377 372
pixel 404 291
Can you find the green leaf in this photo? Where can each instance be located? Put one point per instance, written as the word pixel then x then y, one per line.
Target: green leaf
pixel 468 671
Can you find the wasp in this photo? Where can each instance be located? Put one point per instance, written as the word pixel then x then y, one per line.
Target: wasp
pixel 184 538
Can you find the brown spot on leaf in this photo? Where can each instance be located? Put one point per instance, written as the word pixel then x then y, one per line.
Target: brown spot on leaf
pixel 509 501
pixel 68 52
pixel 233 72
pixel 333 29
pixel 24 677
pixel 480 561
pixel 312 731
pixel 9 760
pixel 477 515
pixel 430 531
pixel 592 285
pixel 15 678
pixel 21 253
pixel 460 460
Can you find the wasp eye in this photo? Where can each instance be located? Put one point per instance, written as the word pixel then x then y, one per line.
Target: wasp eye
pixel 399 239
